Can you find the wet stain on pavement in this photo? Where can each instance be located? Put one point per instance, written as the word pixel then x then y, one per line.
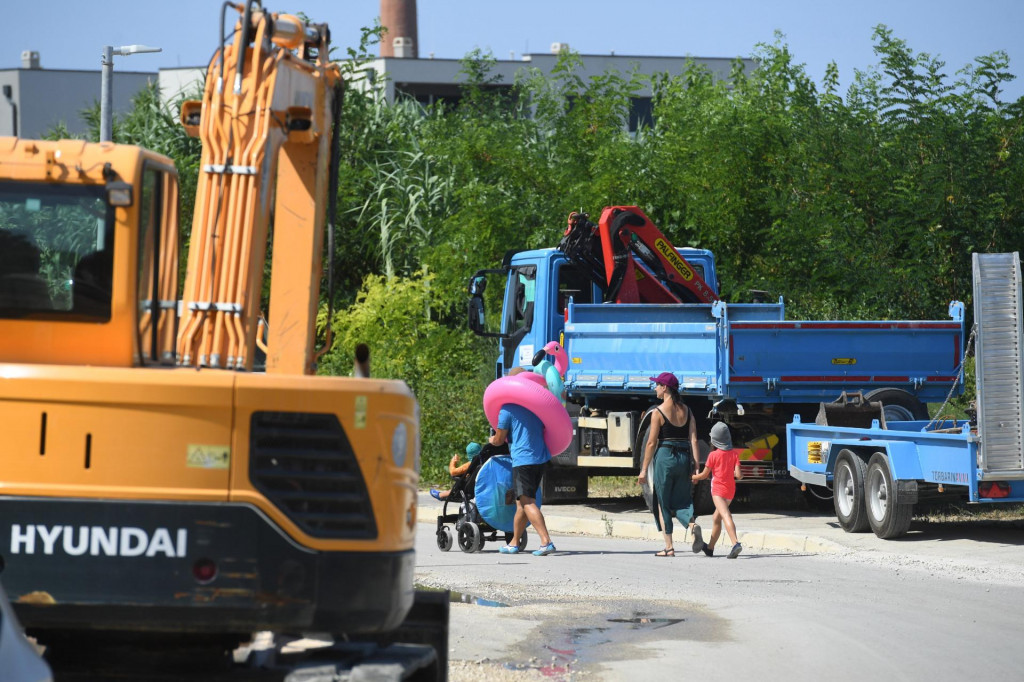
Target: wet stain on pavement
pixel 562 653
pixel 464 598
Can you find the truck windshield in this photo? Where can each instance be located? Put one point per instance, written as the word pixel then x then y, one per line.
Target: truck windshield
pixel 56 248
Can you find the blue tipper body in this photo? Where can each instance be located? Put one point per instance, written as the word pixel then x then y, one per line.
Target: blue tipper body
pixel 747 352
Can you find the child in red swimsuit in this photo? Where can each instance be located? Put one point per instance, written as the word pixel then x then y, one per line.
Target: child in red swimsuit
pixel 723 465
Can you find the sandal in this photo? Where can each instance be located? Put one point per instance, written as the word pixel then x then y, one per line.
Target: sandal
pixel 668 551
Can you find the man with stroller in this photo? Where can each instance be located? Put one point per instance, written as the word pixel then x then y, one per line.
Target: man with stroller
pixel 529 458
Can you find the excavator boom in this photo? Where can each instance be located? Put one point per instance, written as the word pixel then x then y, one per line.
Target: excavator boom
pixel 266 114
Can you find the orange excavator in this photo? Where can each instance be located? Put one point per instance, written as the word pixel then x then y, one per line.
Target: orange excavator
pixel 173 469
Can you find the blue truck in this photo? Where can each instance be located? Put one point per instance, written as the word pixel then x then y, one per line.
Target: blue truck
pixel 881 472
pixel 742 363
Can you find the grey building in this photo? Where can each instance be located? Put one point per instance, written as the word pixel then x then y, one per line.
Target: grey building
pixel 33 100
pixel 430 80
pixel 406 74
pixel 181 82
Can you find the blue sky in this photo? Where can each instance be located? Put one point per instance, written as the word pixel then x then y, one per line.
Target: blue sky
pixel 69 34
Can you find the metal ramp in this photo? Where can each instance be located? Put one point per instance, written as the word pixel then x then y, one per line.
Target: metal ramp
pixel 999 365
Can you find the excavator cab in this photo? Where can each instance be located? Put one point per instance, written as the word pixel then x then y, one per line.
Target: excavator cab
pixel 88 254
pixel 49 236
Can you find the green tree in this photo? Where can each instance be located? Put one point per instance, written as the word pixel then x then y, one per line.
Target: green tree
pixel 439 363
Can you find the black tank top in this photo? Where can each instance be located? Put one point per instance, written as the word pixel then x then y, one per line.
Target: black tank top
pixel 670 431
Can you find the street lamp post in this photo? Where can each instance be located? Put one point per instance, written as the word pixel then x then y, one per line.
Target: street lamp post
pixel 106 86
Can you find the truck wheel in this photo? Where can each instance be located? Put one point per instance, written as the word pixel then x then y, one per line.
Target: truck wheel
pixel 898 405
pixel 702 502
pixel 444 539
pixel 889 517
pixel 848 492
pixel 470 538
pixel 640 444
pixel 648 495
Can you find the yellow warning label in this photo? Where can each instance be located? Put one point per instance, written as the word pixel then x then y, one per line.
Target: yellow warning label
pixel 208 457
pixel 844 361
pixel 360 416
pixel 680 266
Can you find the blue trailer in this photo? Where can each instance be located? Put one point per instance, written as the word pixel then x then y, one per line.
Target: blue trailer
pixel 743 363
pixel 879 473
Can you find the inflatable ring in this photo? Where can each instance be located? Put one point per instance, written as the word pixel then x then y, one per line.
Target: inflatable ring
pixel 535 378
pixel 533 395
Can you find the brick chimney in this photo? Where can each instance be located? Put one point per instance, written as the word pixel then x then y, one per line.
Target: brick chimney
pixel 401 39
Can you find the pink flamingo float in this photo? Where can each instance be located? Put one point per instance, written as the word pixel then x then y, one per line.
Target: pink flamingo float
pixel 540 392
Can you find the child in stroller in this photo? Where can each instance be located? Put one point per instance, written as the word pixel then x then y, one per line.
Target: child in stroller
pixel 461 473
pixel 471 528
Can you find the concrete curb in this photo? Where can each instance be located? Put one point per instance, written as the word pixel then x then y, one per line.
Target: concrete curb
pixel 754 540
pixel 610 526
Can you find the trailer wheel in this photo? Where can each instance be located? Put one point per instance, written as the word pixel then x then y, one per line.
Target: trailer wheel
pixel 898 405
pixel 470 537
pixel 848 492
pixel 444 539
pixel 889 517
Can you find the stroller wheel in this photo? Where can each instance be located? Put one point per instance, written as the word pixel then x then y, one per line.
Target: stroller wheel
pixel 444 539
pixel 470 537
pixel 522 540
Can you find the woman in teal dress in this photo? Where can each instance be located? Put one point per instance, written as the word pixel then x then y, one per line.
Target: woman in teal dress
pixel 670 457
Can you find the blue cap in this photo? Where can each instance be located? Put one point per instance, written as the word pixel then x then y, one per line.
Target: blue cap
pixel 472 450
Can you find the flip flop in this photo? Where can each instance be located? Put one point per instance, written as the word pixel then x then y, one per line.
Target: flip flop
pixel 666 552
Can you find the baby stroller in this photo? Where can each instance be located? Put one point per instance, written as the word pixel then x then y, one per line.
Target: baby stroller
pixel 491 475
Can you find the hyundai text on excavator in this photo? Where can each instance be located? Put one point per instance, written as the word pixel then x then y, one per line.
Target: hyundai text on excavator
pixel 158 477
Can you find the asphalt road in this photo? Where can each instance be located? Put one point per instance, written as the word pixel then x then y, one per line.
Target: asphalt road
pixel 803 601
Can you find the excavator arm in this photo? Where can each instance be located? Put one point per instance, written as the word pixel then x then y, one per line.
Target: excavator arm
pixel 265 121
pixel 631 259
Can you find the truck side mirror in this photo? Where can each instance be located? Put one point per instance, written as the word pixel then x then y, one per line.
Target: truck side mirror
pixel 476 314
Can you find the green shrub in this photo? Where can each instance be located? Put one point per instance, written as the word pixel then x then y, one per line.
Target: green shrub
pixel 445 367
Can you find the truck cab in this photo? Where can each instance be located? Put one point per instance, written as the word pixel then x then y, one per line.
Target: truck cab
pixel 539 284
